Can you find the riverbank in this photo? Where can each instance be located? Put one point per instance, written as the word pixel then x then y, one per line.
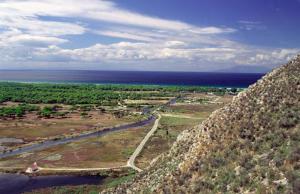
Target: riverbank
pixel 111 172
pixel 51 143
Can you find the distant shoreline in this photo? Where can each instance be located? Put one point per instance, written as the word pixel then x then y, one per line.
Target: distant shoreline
pixel 115 84
pixel 128 71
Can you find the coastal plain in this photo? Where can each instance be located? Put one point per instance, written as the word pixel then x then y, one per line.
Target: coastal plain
pixel 36 120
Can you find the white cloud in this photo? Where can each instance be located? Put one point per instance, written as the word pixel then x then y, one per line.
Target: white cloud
pixel 36 30
pixel 30 40
pixel 175 43
pixel 212 30
pixel 102 10
pixel 138 51
pixel 14 37
pixel 276 55
pixel 38 27
pixel 167 53
pixel 125 35
pixel 25 16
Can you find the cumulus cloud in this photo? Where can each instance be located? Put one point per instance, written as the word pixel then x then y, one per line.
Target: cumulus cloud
pixel 37 30
pixel 276 55
pixel 138 51
pixel 168 52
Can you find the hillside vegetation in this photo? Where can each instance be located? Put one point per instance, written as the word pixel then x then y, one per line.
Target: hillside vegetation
pixel 251 145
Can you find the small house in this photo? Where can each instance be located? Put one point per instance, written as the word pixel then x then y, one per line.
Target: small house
pixel 33 168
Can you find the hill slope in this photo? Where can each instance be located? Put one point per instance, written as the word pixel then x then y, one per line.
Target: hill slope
pixel 251 145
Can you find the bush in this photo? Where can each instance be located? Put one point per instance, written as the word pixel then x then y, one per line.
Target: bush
pixel 46 112
pixel 17 111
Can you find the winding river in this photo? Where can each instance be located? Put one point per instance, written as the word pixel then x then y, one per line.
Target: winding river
pixel 18 183
pixel 51 143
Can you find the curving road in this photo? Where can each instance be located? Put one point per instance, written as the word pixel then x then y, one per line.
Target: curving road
pixel 181 116
pixel 131 161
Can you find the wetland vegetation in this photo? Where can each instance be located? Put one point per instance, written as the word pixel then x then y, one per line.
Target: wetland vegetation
pixel 37 112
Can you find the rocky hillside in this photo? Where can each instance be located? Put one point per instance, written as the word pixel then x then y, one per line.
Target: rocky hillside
pixel 250 146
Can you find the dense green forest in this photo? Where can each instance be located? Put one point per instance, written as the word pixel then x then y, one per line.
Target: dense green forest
pixel 35 93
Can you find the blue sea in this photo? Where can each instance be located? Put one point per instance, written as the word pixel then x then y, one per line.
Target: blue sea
pixel 241 80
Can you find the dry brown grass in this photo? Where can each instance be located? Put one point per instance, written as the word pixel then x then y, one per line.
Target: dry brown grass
pixel 170 127
pixel 111 150
pixel 31 128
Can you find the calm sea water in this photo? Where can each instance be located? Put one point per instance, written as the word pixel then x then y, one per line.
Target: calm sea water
pixel 133 77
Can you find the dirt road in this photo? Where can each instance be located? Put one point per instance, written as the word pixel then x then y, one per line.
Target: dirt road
pixel 181 116
pixel 131 161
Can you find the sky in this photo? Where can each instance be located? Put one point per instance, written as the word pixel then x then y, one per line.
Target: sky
pixel 148 35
